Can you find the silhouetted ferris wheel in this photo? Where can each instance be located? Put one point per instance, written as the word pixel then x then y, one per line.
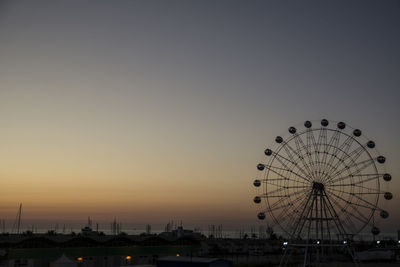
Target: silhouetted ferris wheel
pixel 322 183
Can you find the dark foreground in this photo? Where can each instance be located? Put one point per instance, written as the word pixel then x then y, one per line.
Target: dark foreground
pixel 43 250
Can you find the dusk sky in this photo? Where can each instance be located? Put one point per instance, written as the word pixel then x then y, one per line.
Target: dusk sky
pixel 159 110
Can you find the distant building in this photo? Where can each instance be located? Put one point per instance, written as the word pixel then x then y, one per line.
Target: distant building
pixel 173 261
pixel 180 232
pixel 86 230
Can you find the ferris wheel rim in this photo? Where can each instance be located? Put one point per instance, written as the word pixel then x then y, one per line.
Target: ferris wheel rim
pixel 365 148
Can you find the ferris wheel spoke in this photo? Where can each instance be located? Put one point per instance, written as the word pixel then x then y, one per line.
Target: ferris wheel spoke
pixel 287 169
pixel 353 184
pixel 283 215
pixel 371 191
pixel 325 213
pixel 358 166
pixel 305 214
pixel 312 143
pixel 356 195
pixel 372 176
pixel 330 212
pixel 352 203
pixel 314 157
pixel 342 153
pixel 334 142
pixel 345 147
pixel 360 216
pixel 369 205
pixel 331 190
pixel 298 223
pixel 271 209
pixel 339 219
pixel 332 145
pixel 300 145
pixel 356 153
pixel 300 192
pixel 271 193
pixel 282 203
pixel 322 140
pixel 276 181
pixel 352 158
pixel 360 205
pixel 283 159
pixel 333 215
pixel 292 187
pixel 281 220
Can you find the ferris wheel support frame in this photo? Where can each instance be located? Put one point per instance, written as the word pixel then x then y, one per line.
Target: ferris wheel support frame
pixel 315 187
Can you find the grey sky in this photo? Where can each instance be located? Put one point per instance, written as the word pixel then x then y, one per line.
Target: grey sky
pixel 197 78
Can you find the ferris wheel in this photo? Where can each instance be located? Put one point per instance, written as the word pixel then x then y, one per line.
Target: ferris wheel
pixel 322 181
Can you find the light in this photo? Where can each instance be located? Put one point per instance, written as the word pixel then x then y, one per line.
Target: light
pixel 79 259
pixel 285 243
pixel 178 255
pixel 378 242
pixel 345 242
pixel 128 258
pixel 318 242
pixel 398 241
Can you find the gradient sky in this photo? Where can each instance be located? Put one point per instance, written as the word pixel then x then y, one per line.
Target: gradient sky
pixel 159 110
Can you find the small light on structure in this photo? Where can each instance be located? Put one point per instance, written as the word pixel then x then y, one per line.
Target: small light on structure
pixel 178 255
pixel 398 241
pixel 285 243
pixel 79 259
pixel 128 258
pixel 345 242
pixel 378 242
pixel 318 242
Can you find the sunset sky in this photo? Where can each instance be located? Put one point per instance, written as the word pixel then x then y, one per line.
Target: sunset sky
pixel 159 110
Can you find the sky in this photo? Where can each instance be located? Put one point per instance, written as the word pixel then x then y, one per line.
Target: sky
pixel 160 110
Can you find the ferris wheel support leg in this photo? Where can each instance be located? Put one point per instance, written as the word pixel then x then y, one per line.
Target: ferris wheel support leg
pixel 352 255
pixel 286 256
pixel 305 256
pixel 283 259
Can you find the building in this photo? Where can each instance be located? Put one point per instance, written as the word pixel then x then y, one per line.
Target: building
pixel 174 261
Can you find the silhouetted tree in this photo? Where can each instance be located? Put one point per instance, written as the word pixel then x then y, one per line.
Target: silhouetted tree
pixel 271 233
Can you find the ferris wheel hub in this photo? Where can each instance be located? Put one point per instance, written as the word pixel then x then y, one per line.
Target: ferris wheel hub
pixel 318 186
